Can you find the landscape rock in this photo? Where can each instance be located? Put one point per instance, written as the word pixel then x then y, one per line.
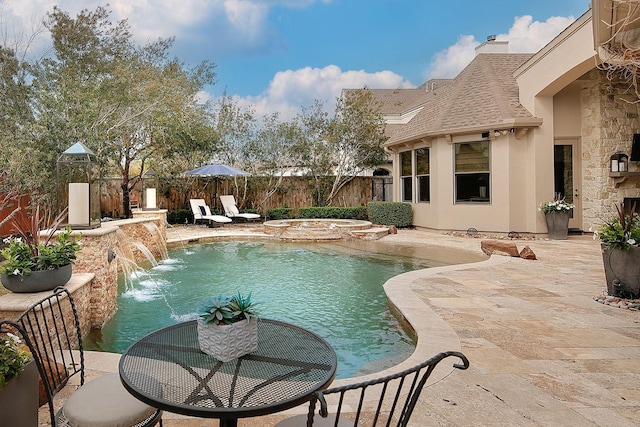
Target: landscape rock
pixel 527 253
pixel 491 247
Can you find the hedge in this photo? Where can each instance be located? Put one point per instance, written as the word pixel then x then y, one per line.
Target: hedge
pixel 180 216
pixel 390 213
pixel 280 213
pixel 335 212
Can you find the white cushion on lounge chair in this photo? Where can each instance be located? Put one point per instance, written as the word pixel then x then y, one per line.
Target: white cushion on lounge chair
pixel 231 209
pixel 197 213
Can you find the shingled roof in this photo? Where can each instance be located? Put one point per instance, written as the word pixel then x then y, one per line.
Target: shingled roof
pixel 399 101
pixel 484 94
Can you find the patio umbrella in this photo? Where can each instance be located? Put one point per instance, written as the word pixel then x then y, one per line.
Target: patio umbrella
pixel 216 170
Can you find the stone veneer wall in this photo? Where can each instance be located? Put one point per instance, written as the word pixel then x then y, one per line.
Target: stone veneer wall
pixel 94 283
pixel 610 117
pixel 94 258
pixel 12 305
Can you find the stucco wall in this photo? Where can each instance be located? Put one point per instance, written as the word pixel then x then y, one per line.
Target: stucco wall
pixel 507 210
pixel 610 117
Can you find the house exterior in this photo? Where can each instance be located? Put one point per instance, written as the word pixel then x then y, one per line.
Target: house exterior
pixel 485 149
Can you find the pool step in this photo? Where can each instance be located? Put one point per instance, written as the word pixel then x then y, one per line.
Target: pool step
pixel 373 233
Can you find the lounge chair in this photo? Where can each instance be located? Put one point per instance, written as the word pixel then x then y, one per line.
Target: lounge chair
pixel 231 210
pixel 201 212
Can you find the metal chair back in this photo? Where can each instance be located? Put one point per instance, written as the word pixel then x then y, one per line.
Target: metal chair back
pixel 387 401
pixel 51 329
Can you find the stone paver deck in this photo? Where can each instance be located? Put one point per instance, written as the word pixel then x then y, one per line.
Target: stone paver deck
pixel 542 351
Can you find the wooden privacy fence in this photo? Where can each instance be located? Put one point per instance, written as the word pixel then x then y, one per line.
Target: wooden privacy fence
pixel 294 192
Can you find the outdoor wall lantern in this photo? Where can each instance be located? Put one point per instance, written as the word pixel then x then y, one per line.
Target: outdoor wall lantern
pixel 78 184
pixel 149 190
pixel 619 162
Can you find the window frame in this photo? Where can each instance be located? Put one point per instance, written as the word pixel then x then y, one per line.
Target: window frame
pixel 404 179
pixel 480 173
pixel 418 176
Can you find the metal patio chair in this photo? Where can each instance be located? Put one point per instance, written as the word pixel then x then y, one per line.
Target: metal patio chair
pixel 384 401
pixel 51 329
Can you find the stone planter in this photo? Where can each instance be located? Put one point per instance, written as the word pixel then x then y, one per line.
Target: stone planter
pixel 19 399
pixel 557 225
pixel 228 342
pixel 622 271
pixel 37 281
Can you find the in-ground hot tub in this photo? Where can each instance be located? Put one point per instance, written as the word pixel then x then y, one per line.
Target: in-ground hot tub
pixel 315 229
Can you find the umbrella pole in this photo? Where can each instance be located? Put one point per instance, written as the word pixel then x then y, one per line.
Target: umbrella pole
pixel 215 200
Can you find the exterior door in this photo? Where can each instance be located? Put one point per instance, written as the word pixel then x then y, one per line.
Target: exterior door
pixel 567 169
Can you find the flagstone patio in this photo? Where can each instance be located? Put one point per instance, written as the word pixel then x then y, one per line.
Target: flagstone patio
pixel 543 352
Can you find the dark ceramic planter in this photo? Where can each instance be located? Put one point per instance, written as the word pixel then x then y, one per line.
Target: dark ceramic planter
pixel 19 399
pixel 557 225
pixel 37 281
pixel 622 271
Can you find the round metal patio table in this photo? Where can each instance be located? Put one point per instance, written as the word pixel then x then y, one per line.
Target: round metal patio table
pixel 167 370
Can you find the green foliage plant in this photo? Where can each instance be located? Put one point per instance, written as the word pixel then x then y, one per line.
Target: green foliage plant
pixel 621 231
pixel 334 212
pixel 558 204
pixel 14 355
pixel 225 310
pixel 390 213
pixel 280 213
pixel 34 250
pixel 180 216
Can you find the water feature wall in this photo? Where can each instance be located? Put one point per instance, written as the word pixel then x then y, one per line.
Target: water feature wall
pixel 106 251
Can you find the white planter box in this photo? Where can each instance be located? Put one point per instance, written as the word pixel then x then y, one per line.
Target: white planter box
pixel 228 342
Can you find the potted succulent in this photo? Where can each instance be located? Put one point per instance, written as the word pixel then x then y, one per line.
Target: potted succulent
pixel 228 327
pixel 557 213
pixel 620 241
pixel 18 383
pixel 38 260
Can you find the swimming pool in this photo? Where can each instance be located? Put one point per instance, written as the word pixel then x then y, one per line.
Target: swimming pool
pixel 334 290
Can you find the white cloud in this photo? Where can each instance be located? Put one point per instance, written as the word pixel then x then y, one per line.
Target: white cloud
pixel 527 36
pixel 292 89
pixel 524 36
pixel 449 62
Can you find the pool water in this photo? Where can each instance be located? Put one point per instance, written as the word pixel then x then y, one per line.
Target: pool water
pixel 331 290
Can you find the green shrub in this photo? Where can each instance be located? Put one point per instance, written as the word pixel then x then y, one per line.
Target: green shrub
pixel 334 212
pixel 180 216
pixel 280 213
pixel 390 213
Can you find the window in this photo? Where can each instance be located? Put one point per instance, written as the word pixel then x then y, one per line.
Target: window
pixel 422 174
pixel 472 172
pixel 406 176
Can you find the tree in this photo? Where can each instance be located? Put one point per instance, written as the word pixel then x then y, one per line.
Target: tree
pixel 132 105
pixel 236 128
pixel 336 149
pixel 356 135
pixel 273 154
pixel 19 177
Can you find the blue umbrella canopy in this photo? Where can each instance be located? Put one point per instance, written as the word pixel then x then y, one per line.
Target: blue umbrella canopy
pixel 216 169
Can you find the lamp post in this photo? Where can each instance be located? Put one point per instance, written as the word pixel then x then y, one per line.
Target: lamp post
pixel 78 182
pixel 149 190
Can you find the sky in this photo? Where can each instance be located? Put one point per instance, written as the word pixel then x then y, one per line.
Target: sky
pixel 281 55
